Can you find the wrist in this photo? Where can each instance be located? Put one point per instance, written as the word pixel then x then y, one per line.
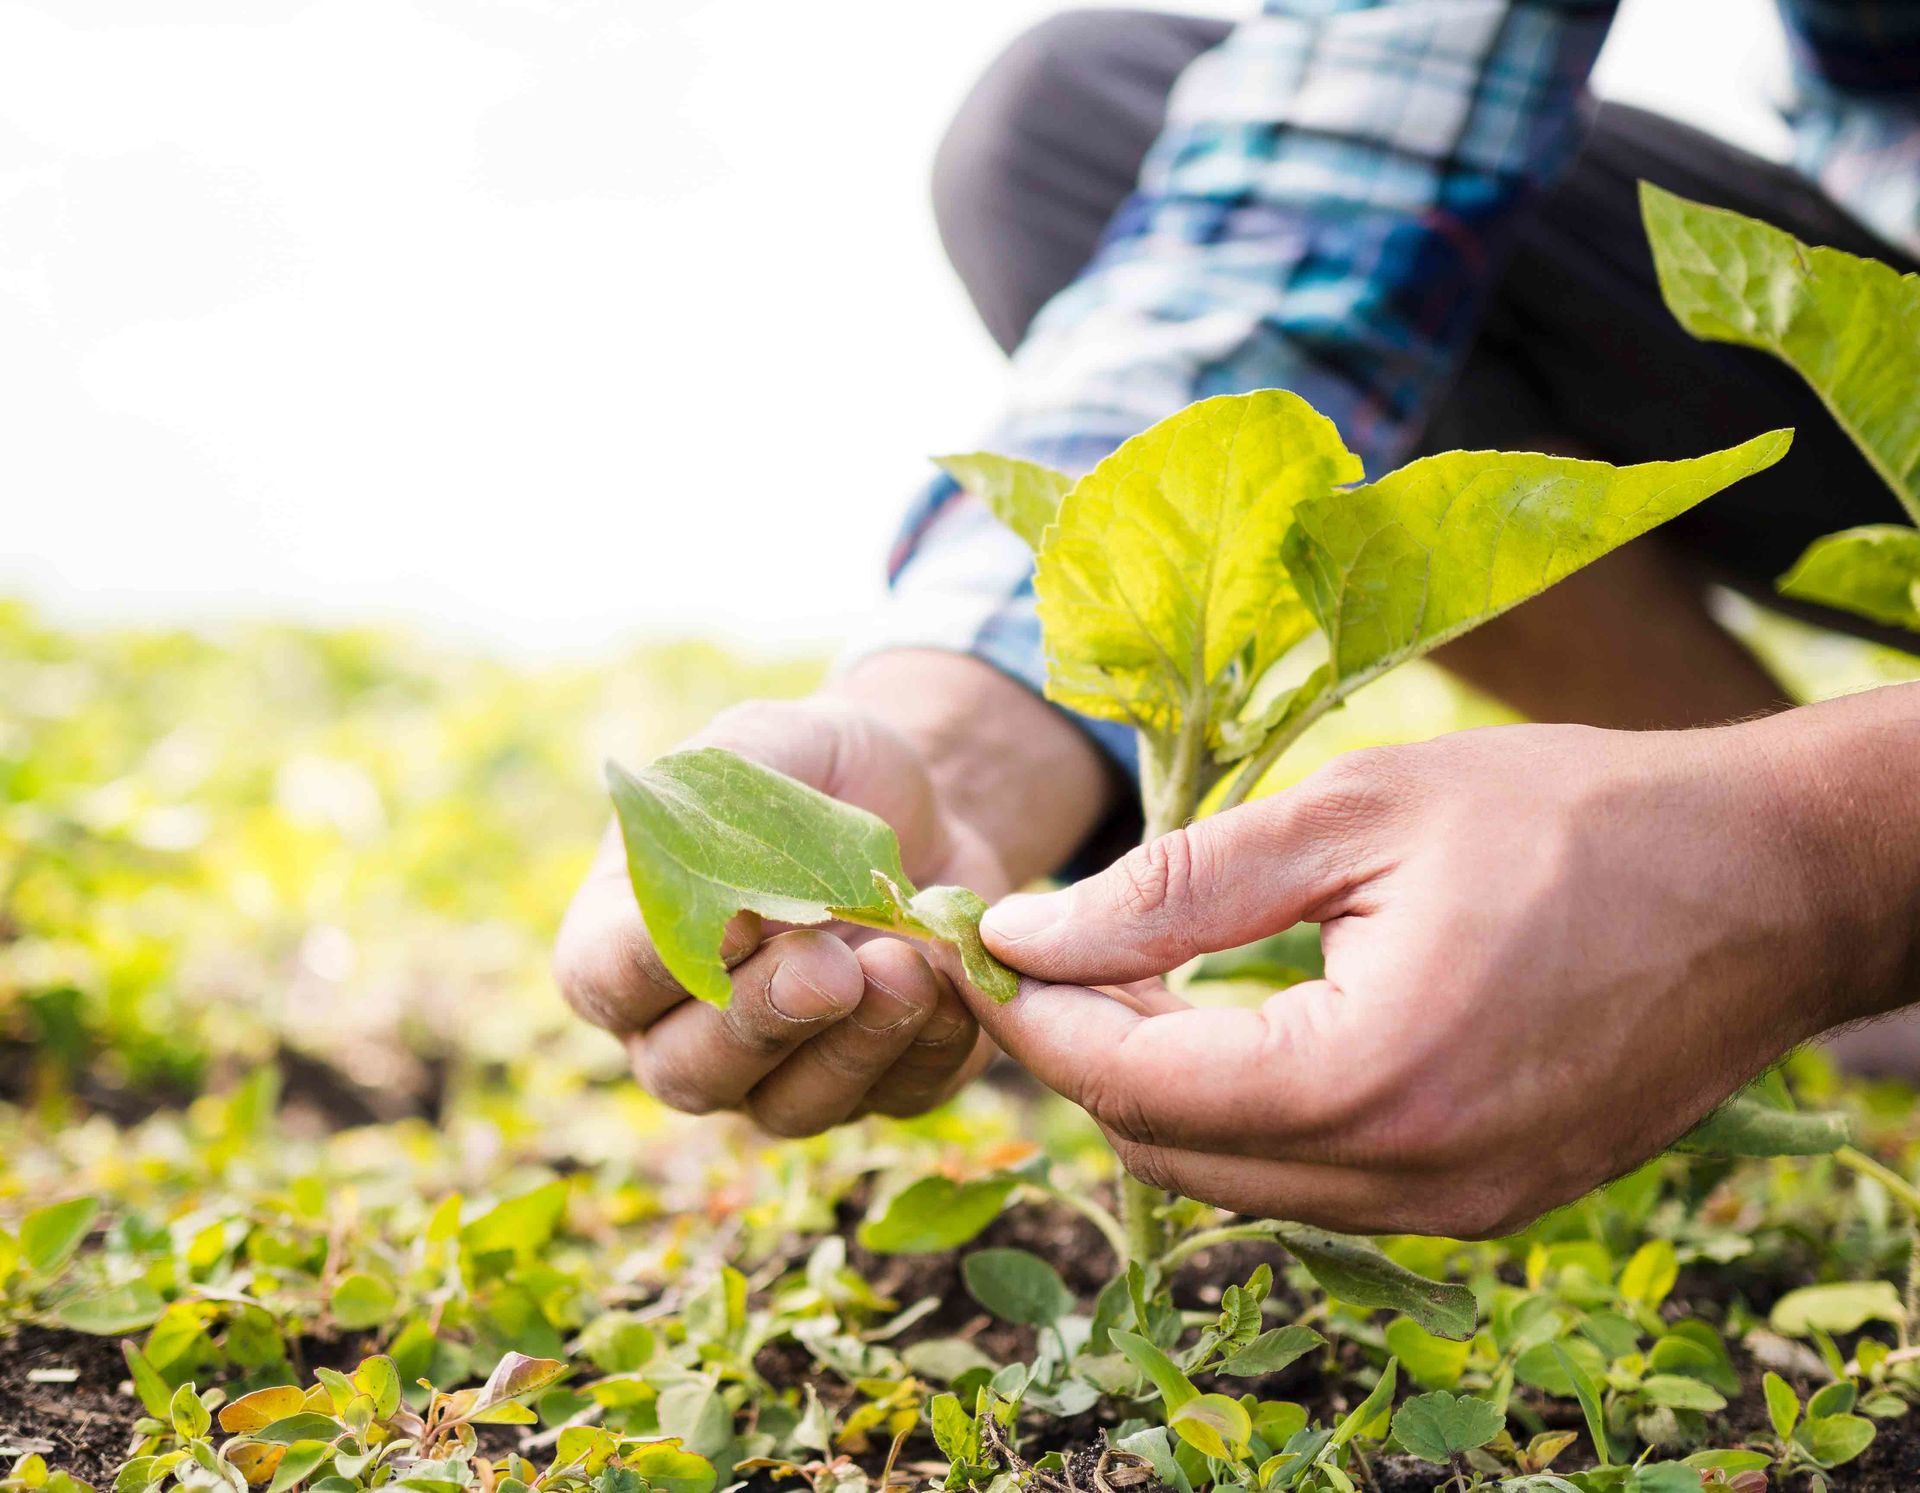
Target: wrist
pixel 1003 762
pixel 1842 787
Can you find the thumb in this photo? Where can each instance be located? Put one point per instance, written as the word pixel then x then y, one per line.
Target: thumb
pixel 1215 884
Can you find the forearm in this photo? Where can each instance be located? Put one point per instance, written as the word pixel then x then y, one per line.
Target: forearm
pixel 1846 778
pixel 1003 760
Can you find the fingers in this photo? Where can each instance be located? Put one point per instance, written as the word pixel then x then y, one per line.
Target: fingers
pixel 699 1058
pixel 1212 885
pixel 828 1078
pixel 1277 1082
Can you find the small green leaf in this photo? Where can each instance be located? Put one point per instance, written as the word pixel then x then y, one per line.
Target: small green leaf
pixel 1372 1408
pixel 953 1430
pixel 302 1459
pixel 306 1425
pixel 1214 1425
pixel 1837 1398
pixel 1677 1392
pixel 952 913
pixel 935 1214
pixel 1440 1426
pixel 1837 1439
pixel 669 1468
pixel 1017 1286
pixel 1842 1306
pixel 1271 1351
pixel 49 1236
pixel 110 1312
pixel 379 1380
pixel 1748 1126
pixel 360 1301
pixel 1650 1275
pixel 190 1418
pixel 1849 326
pixel 147 1384
pixel 521 1225
pixel 1161 1371
pixel 1022 494
pixel 1873 571
pixel 1435 1362
pixel 1356 1271
pixel 1588 1394
pixel 514 1378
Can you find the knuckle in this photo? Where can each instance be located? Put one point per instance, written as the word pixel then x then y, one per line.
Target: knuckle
pixel 674 1084
pixel 1149 1164
pixel 782 1122
pixel 1154 878
pixel 1118 1108
pixel 1477 1209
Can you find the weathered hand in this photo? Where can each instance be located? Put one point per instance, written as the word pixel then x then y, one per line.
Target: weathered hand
pixel 824 1024
pixel 1550 951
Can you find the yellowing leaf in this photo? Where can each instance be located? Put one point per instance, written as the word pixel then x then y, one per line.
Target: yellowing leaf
pixel 1849 326
pixel 256 1411
pixel 1214 1425
pixel 1163 571
pixel 1394 569
pixel 1022 494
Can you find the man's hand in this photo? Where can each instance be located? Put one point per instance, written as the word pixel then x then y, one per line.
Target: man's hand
pixel 829 1023
pixel 1550 951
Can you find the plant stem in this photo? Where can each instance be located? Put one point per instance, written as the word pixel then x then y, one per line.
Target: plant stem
pixel 1254 768
pixel 1146 1231
pixel 1110 1227
pixel 1886 1176
pixel 1193 1244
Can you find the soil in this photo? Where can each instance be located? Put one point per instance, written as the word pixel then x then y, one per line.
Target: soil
pixel 84 1425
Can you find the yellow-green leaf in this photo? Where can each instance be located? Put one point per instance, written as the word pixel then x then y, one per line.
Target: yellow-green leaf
pixel 1873 570
pixel 49 1236
pixel 1162 572
pixel 1394 569
pixel 1022 494
pixel 1849 326
pixel 1214 1425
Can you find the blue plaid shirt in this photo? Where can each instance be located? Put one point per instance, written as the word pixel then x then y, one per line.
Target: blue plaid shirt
pixel 1320 214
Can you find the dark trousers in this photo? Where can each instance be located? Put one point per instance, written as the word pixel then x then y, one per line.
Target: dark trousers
pixel 1577 353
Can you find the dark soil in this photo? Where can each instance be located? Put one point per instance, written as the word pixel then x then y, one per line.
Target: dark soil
pixel 84 1426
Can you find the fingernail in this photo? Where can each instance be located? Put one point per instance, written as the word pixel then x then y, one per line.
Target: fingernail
pixel 941 1035
pixel 797 998
pixel 1024 915
pixel 882 1010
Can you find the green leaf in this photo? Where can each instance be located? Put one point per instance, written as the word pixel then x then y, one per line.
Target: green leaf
pixel 935 1214
pixel 953 913
pixel 1022 494
pixel 190 1418
pixel 360 1301
pixel 1160 585
pixel 1833 1399
pixel 1842 1306
pixel 953 1429
pixel 1355 1271
pixel 1873 570
pixel 1017 1286
pixel 1651 1274
pixel 110 1312
pixel 1837 1439
pixel 522 1224
pixel 710 835
pixel 1677 1392
pixel 1588 1394
pixel 148 1386
pixel 49 1236
pixel 1371 1408
pixel 1272 1351
pixel 300 1462
pixel 1214 1425
pixel 1849 326
pixel 1439 1426
pixel 1435 1362
pixel 1161 1371
pixel 670 1468
pixel 1394 569
pixel 379 1380
pixel 1748 1126
pixel 306 1425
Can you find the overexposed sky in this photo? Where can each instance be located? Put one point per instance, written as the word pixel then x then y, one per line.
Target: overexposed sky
pixel 539 322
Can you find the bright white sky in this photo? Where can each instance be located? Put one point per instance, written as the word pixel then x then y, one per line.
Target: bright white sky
pixel 543 322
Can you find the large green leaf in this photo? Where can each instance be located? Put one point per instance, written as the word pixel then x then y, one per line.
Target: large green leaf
pixel 1849 326
pixel 1873 570
pixel 1400 566
pixel 1747 1126
pixel 710 834
pixel 1162 574
pixel 1022 494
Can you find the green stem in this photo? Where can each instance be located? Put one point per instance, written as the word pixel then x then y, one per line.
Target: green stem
pixel 1255 767
pixel 1886 1176
pixel 1110 1227
pixel 1190 1246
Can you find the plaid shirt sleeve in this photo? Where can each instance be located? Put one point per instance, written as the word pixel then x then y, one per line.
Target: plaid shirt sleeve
pixel 1322 212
